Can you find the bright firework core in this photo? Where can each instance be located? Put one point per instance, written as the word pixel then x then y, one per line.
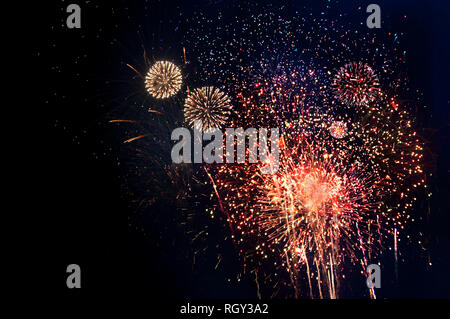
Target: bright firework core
pixel 315 190
pixel 311 193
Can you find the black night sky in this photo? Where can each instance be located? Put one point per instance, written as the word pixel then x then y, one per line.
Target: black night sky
pixel 92 219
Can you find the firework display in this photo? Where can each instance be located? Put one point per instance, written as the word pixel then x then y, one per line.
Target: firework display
pixel 351 160
pixel 163 80
pixel 208 105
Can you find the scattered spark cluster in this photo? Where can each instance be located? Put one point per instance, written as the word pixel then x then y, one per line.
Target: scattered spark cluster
pixel 163 80
pixel 208 105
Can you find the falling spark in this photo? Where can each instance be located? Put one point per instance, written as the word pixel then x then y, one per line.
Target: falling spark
pixel 135 138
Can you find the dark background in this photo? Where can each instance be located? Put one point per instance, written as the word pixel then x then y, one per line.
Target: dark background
pixel 80 212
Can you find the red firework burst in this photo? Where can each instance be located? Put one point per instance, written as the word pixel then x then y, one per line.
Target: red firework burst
pixel 356 84
pixel 311 206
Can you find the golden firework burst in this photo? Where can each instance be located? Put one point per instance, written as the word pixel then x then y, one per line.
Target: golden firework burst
pixel 163 80
pixel 208 105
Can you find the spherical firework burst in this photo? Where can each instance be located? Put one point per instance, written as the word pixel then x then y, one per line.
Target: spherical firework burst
pixel 163 80
pixel 356 84
pixel 208 105
pixel 338 129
